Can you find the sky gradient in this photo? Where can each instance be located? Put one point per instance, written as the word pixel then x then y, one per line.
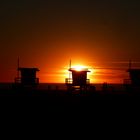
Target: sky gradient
pixel 47 34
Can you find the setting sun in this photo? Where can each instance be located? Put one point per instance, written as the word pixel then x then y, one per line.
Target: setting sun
pixel 79 67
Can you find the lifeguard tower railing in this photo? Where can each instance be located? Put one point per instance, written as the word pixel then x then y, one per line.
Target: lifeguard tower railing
pixel 69 81
pixel 127 82
pixel 33 81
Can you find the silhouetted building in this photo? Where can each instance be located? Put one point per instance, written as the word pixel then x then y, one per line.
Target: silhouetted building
pixel 78 80
pixel 134 75
pixel 27 76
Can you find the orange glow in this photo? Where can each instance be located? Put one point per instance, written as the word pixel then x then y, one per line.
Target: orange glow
pixel 79 67
pixel 96 75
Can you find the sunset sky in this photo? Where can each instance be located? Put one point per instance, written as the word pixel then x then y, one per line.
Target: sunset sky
pixel 48 33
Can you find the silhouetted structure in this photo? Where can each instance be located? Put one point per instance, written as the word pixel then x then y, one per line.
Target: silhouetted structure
pixel 134 75
pixel 27 77
pixel 79 79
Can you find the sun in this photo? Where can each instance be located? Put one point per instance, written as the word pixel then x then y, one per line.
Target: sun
pixel 79 67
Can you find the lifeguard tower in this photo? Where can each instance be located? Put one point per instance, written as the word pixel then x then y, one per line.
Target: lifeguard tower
pixel 78 79
pixel 26 76
pixel 134 74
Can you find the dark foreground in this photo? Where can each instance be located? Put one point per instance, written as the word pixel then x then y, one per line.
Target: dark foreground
pixel 59 108
pixel 61 100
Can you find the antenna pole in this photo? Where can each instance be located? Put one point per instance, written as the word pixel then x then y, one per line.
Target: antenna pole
pixel 18 68
pixel 69 69
pixel 70 64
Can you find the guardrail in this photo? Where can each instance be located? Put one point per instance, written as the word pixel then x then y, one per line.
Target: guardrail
pixel 18 80
pixel 69 81
pixel 127 81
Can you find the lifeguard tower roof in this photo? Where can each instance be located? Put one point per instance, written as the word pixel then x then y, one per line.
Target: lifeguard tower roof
pixel 32 69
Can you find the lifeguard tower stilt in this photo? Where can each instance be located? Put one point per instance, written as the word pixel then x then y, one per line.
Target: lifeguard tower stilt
pixel 79 80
